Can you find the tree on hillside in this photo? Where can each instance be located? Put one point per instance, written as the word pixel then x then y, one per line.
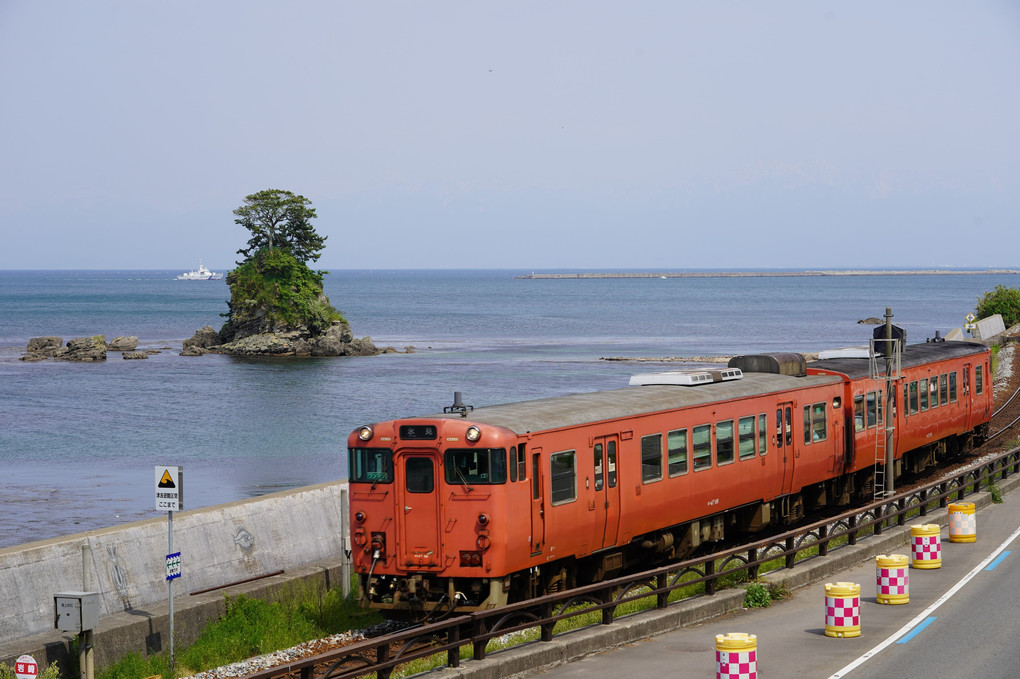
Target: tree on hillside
pixel 279 219
pixel 1001 300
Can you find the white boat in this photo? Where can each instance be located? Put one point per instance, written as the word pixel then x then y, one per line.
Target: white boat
pixel 200 274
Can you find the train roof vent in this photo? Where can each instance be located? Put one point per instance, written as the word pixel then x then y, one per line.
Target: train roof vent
pixel 686 378
pixel 779 364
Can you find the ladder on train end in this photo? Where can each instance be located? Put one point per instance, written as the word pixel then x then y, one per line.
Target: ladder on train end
pixel 891 350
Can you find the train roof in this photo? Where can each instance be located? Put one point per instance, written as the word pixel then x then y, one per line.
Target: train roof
pixel 913 355
pixel 575 409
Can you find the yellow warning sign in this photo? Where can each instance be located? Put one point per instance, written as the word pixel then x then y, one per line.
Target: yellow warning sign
pixel 169 488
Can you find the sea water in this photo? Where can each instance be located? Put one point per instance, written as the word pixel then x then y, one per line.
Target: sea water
pixel 79 441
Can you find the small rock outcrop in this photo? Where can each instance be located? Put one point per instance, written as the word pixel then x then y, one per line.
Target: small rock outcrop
pixel 870 321
pixel 79 349
pixel 122 344
pixel 135 355
pixel 200 343
pixel 84 349
pixel 298 341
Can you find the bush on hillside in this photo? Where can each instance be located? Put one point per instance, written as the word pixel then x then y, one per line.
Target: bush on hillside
pixel 1001 300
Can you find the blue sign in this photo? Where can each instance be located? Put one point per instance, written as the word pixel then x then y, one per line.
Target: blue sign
pixel 173 566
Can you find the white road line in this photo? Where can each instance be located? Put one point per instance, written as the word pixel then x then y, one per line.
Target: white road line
pixel 926 612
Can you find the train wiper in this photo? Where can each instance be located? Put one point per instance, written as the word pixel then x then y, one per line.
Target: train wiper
pixel 467 486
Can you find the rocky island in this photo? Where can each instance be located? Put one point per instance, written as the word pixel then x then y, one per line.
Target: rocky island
pixel 277 306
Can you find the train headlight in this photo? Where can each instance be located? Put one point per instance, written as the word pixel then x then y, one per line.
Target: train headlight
pixel 360 517
pixel 483 519
pixel 473 434
pixel 365 433
pixel 836 403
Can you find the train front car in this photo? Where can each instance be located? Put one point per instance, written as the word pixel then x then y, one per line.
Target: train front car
pixel 429 524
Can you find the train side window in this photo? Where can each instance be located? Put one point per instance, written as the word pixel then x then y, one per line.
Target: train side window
pixel 913 398
pixel 701 442
pixel 724 442
pixel 807 424
pixel 944 389
pixel 676 442
pixel 563 477
pixel 859 412
pixel 879 402
pixel 763 434
pixel 819 423
pixel 789 425
pixel 420 473
pixel 872 409
pixel 522 463
pixel 513 464
pixel 598 467
pixel 779 427
pixel 611 463
pixel 933 392
pixel 536 487
pixel 978 382
pixel 923 393
pixel 745 437
pixel 952 387
pixel 651 458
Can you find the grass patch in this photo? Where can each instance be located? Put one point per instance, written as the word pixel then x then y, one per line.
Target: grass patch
pixel 995 492
pixel 251 627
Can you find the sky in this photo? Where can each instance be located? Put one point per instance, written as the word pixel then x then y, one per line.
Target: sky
pixel 573 134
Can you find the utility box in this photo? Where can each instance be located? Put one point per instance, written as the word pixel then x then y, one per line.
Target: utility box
pixel 76 611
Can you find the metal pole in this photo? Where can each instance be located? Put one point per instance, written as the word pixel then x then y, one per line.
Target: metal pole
pixel 85 659
pixel 170 583
pixel 890 460
pixel 345 527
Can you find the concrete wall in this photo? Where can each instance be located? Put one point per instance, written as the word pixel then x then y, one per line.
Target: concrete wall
pixel 219 545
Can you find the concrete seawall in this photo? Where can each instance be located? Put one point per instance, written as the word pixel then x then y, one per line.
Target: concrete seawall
pixel 300 532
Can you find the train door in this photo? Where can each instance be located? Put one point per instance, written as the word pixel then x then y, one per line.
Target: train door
pixel 418 543
pixel 606 503
pixel 537 503
pixel 784 443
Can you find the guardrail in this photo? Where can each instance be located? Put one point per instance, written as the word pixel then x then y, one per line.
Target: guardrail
pixel 381 655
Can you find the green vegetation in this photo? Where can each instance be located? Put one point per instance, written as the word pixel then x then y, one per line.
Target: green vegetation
pixel 1002 300
pixel 51 672
pixel 757 595
pixel 996 493
pixel 279 289
pixel 279 219
pixel 250 627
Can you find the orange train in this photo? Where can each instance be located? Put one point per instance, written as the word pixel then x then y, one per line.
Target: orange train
pixel 474 508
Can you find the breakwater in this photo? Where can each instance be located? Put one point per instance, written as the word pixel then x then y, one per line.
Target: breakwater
pixel 769 274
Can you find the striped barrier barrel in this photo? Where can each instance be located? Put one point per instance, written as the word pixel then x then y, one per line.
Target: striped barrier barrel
pixel 736 656
pixel 962 522
pixel 925 546
pixel 891 579
pixel 842 609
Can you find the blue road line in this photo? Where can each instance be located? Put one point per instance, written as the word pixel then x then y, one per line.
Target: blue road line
pixel 997 561
pixel 917 630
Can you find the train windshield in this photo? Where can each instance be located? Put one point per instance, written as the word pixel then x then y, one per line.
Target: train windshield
pixel 370 465
pixel 475 466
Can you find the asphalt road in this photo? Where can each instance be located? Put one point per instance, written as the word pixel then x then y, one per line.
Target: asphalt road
pixel 961 621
